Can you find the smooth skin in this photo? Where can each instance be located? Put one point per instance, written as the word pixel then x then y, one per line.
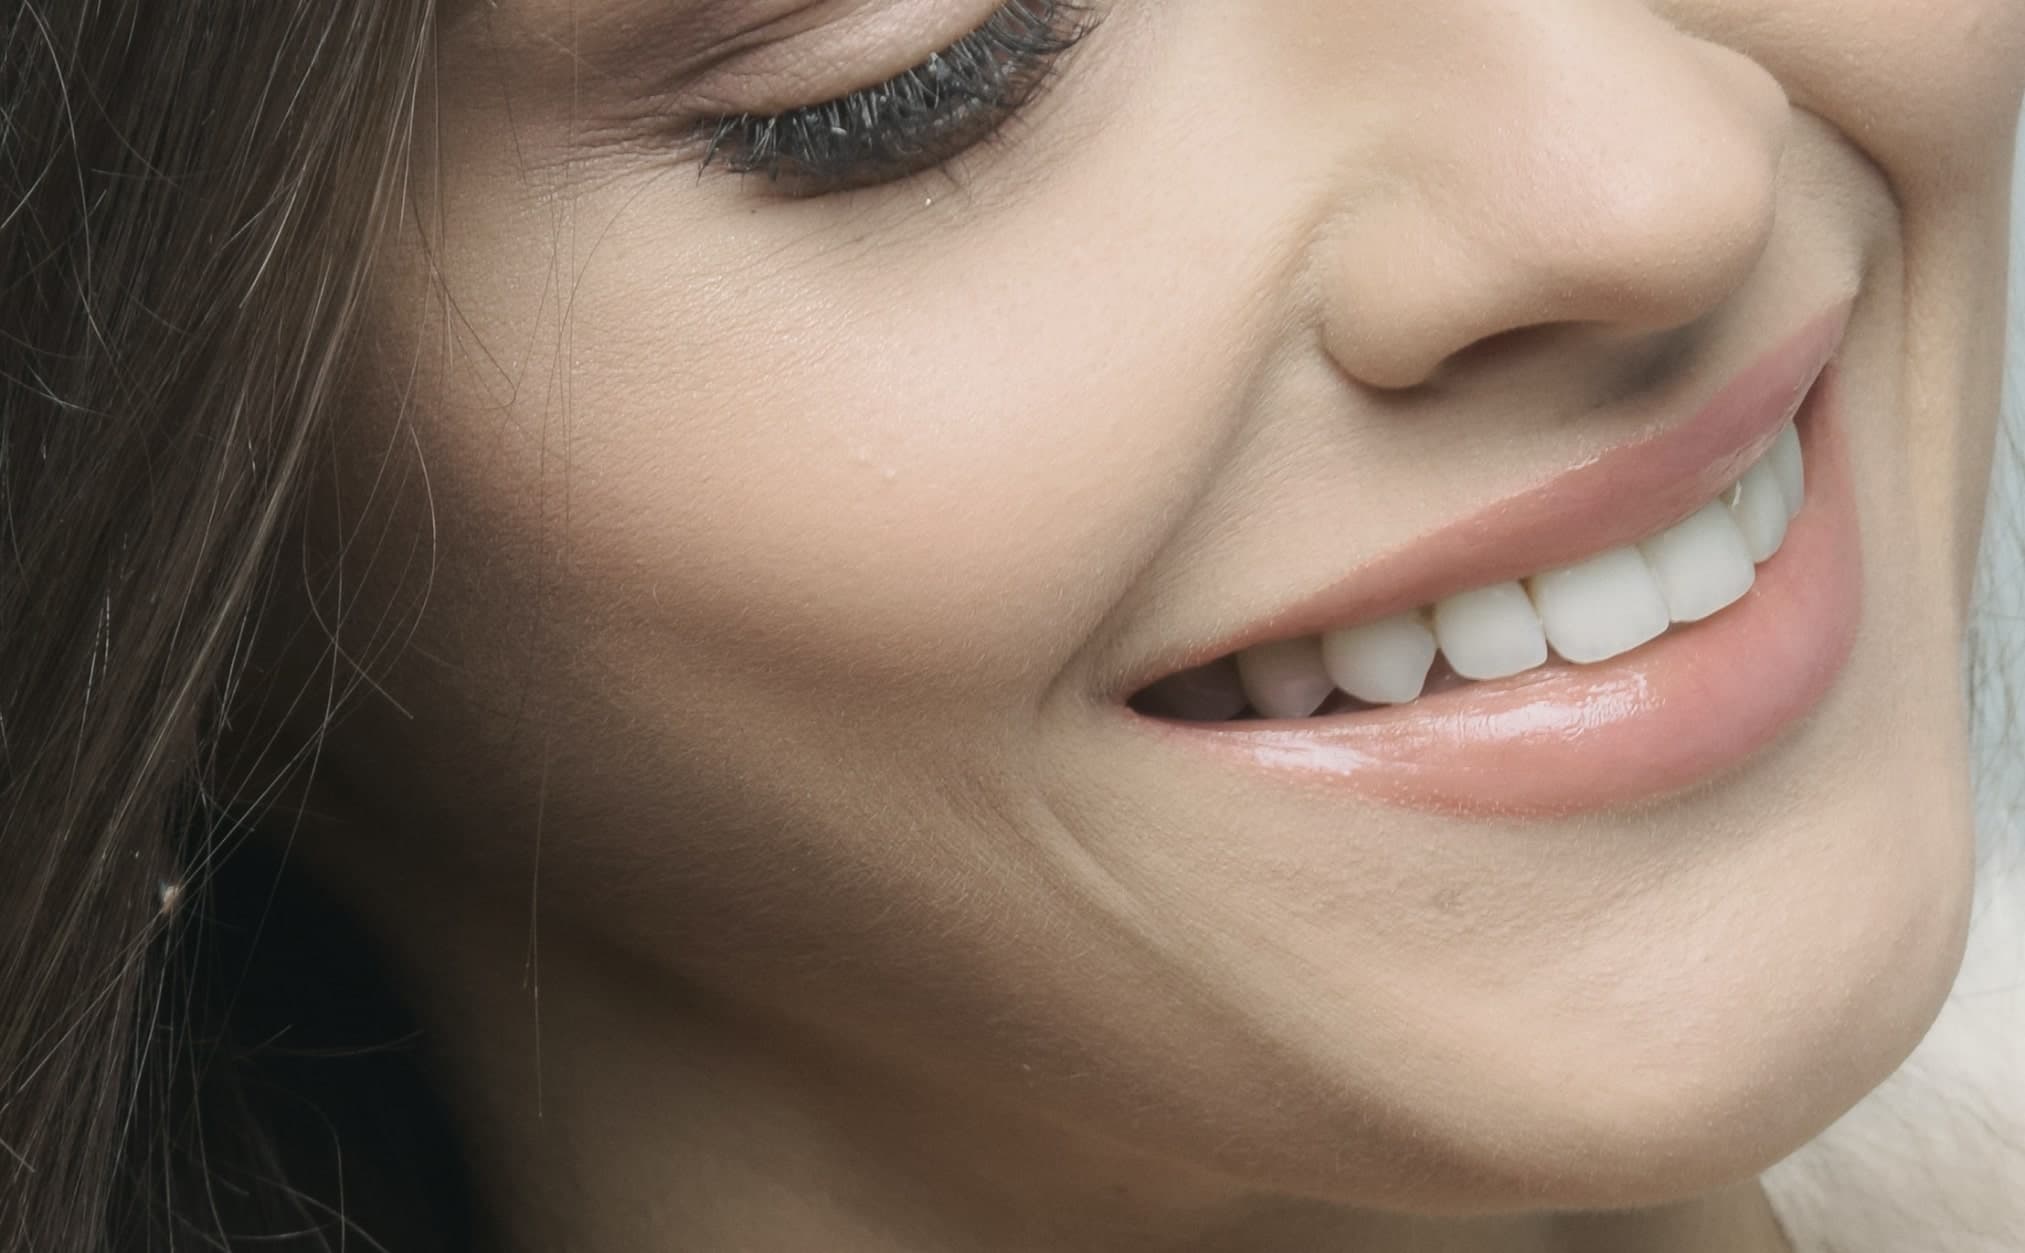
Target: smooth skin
pixel 748 807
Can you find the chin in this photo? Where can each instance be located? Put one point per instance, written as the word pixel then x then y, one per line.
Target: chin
pixel 1685 1036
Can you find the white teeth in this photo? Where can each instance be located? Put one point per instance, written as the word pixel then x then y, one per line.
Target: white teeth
pixel 1791 470
pixel 1589 612
pixel 1285 679
pixel 1490 632
pixel 1604 606
pixel 1759 506
pixel 1702 564
pixel 1383 662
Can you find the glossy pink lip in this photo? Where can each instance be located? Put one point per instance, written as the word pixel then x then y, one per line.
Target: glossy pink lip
pixel 1564 739
pixel 1616 497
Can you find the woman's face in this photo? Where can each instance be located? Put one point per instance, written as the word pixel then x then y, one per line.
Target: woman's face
pixel 805 553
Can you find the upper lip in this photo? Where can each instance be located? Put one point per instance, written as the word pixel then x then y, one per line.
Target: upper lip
pixel 1619 496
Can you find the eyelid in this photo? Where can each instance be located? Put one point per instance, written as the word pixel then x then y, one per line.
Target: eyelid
pixel 819 60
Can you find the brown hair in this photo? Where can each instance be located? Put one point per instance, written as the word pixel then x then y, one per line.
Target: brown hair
pixel 190 196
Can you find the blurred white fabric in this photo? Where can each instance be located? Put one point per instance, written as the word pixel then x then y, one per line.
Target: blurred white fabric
pixel 1934 1161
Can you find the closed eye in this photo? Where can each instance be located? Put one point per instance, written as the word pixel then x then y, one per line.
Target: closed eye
pixel 920 118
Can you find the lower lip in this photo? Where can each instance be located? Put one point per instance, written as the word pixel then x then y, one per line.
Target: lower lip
pixel 1561 740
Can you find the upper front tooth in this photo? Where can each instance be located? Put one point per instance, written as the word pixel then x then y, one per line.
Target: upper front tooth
pixel 1285 679
pixel 1490 632
pixel 1384 662
pixel 1601 607
pixel 1790 469
pixel 1702 564
pixel 1759 506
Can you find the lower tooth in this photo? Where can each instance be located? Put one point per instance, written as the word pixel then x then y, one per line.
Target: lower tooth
pixel 1285 679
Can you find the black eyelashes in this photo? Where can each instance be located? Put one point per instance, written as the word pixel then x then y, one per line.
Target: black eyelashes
pixel 917 119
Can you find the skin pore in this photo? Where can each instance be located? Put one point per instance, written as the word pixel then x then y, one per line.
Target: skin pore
pixel 749 809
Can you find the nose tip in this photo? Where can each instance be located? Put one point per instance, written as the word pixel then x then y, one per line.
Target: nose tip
pixel 1600 189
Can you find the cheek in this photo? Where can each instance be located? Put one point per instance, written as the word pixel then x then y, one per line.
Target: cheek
pixel 922 464
pixel 1929 91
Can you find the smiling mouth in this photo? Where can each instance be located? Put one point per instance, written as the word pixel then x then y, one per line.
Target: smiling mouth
pixel 1590 611
pixel 1638 624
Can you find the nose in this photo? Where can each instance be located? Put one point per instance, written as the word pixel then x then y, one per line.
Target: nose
pixel 1598 169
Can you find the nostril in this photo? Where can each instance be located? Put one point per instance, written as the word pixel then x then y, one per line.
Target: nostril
pixel 1631 193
